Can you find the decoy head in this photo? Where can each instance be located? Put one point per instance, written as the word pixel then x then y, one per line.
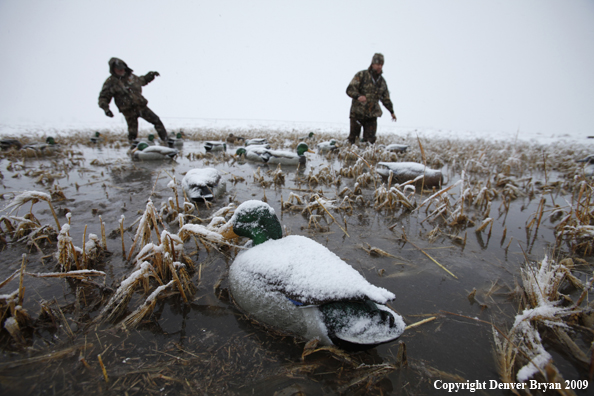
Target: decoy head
pixel 302 148
pixel 241 151
pixel 255 220
pixel 50 140
pixel 151 137
pixel 141 146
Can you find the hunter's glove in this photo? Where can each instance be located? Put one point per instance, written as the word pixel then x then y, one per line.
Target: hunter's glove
pixel 108 113
pixel 154 74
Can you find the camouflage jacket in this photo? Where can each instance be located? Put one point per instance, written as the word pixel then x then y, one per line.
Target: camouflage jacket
pixel 126 90
pixel 375 90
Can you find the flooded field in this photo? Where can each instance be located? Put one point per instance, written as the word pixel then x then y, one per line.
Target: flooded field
pixel 457 258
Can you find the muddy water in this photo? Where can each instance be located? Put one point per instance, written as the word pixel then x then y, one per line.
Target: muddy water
pixel 208 346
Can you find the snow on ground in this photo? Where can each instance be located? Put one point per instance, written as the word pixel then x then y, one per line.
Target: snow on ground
pixel 338 129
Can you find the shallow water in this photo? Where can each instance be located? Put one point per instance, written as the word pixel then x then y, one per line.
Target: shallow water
pixel 207 345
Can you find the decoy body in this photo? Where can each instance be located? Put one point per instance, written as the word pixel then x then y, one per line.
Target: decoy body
pixel 49 147
pixel 405 171
pixel 308 136
pixel 299 286
pixel 96 138
pixel 232 139
pixel 177 140
pixel 144 152
pixel 329 145
pixel 215 146
pixel 202 184
pixel 256 142
pixel 397 148
pixel 254 153
pixel 6 144
pixel 289 158
pixel 589 167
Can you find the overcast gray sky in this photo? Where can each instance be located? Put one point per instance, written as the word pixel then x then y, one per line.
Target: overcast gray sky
pixel 456 64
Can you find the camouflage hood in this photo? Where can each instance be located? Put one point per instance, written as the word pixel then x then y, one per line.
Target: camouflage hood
pixel 117 61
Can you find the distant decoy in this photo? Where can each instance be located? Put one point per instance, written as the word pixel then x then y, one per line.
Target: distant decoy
pixel 49 147
pixel 232 139
pixel 6 144
pixel 145 152
pixel 96 138
pixel 254 153
pixel 202 184
pixel 397 148
pixel 176 141
pixel 215 146
pixel 308 136
pixel 257 142
pixel 405 171
pixel 329 145
pixel 289 158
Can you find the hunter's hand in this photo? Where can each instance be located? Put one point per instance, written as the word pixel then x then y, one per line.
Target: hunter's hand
pixel 155 74
pixel 362 99
pixel 393 117
pixel 108 113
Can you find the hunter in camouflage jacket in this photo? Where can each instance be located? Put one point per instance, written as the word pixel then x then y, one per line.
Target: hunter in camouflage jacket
pixel 126 91
pixel 373 86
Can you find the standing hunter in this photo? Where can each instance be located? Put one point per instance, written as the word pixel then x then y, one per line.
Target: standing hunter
pixel 126 90
pixel 367 88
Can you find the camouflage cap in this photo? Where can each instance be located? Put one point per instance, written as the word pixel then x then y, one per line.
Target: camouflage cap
pixel 377 58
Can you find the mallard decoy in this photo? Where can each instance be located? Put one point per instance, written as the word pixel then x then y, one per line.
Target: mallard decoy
pixel 176 141
pixel 145 152
pixel 49 147
pixel 329 145
pixel 396 148
pixel 289 158
pixel 256 142
pixel 405 171
pixel 215 146
pixel 254 153
pixel 308 136
pixel 6 144
pixel 299 286
pixel 202 184
pixel 232 139
pixel 589 167
pixel 96 138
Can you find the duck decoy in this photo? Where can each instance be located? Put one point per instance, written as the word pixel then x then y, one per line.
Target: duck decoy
pixel 256 142
pixel 329 145
pixel 49 147
pixel 299 286
pixel 232 139
pixel 202 184
pixel 176 141
pixel 6 144
pixel 405 171
pixel 254 153
pixel 289 158
pixel 589 165
pixel 96 138
pixel 144 152
pixel 308 136
pixel 215 146
pixel 396 148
